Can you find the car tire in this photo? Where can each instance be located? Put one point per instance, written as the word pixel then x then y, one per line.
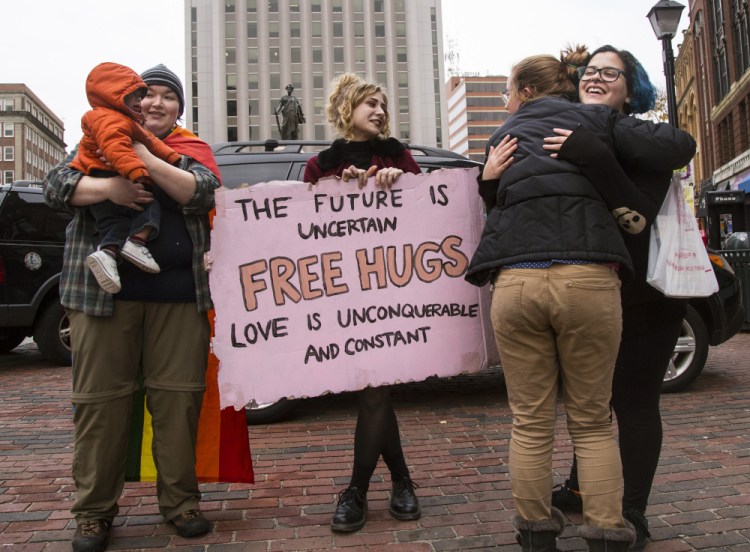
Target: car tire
pixel 689 355
pixel 52 334
pixel 10 338
pixel 271 412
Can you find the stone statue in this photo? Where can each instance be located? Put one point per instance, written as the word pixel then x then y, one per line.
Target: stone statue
pixel 291 115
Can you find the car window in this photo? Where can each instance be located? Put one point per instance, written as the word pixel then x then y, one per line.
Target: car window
pixel 25 217
pixel 234 175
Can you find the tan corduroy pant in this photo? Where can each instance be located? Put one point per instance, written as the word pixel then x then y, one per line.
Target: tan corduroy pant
pixel 562 322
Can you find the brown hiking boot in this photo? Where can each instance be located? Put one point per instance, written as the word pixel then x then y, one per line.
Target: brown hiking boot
pixel 191 524
pixel 91 535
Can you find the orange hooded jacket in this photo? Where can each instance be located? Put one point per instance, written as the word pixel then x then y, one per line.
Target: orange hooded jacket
pixel 111 127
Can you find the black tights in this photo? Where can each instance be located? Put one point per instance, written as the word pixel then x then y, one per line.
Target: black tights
pixel 636 389
pixel 376 433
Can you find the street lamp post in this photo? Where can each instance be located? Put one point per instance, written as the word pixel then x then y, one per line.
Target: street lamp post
pixel 664 18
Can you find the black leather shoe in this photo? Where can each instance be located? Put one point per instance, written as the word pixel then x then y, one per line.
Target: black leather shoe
pixel 91 535
pixel 351 511
pixel 404 503
pixel 191 524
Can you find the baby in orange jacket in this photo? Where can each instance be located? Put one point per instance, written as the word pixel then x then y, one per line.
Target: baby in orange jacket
pixel 109 130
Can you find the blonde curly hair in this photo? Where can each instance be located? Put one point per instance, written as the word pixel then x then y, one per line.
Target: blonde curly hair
pixel 546 75
pixel 347 92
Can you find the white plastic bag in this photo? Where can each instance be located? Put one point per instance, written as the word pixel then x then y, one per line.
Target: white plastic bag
pixel 678 264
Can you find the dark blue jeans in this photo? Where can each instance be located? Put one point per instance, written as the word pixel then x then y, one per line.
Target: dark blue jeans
pixel 116 223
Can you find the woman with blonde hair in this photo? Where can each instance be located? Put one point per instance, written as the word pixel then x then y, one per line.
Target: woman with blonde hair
pixel 553 250
pixel 358 111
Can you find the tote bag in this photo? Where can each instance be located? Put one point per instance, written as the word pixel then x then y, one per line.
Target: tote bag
pixel 678 264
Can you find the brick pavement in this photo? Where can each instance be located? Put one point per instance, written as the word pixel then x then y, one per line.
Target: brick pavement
pixel 455 438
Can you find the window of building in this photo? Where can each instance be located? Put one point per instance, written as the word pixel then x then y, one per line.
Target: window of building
pixel 8 153
pixel 403 78
pixel 252 6
pixel 8 177
pixel 273 53
pixel 404 131
pixel 315 6
pixel 231 108
pixel 741 33
pixel 359 29
pixel 294 29
pixel 338 54
pixel 273 29
pixel 229 6
pixel 400 28
pixel 252 55
pixel 401 54
pixel 317 55
pixel 381 77
pixel 275 81
pixel 252 30
pixel 377 6
pixel 7 104
pixel 231 81
pixel 231 55
pixel 320 132
pixel 252 107
pixel 318 81
pixel 296 54
pixel 294 6
pixel 317 28
pixel 273 6
pixel 231 133
pixel 380 54
pixel 8 130
pixel 252 81
pixel 400 6
pixel 379 30
pixel 230 29
pixel 336 6
pixel 338 29
pixel 359 54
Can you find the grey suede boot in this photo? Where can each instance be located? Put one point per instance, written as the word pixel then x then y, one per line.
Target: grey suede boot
pixel 539 536
pixel 608 540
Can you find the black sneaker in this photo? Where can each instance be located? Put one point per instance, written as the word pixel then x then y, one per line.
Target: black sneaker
pixel 567 499
pixel 640 524
pixel 191 524
pixel 404 503
pixel 91 535
pixel 351 510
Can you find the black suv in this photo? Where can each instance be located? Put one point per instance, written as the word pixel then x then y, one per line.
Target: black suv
pixel 32 237
pixel 709 321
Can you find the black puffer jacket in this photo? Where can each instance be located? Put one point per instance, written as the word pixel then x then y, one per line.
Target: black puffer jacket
pixel 544 208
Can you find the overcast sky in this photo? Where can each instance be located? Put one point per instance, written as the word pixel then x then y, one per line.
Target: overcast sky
pixel 51 45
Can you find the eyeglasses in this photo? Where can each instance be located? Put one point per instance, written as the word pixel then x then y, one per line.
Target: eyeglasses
pixel 505 95
pixel 607 74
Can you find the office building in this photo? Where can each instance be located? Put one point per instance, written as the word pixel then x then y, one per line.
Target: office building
pixel 31 136
pixel 241 54
pixel 475 111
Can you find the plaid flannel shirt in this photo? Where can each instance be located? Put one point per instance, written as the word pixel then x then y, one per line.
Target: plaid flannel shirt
pixel 78 288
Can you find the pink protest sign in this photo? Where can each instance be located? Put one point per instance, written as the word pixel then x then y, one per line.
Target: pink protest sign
pixel 331 288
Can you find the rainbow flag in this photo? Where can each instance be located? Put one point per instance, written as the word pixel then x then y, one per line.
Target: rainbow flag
pixel 223 447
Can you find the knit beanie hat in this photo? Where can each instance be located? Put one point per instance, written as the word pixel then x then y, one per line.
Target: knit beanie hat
pixel 161 75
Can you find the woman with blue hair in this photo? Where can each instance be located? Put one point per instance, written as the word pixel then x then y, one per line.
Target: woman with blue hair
pixel 651 322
